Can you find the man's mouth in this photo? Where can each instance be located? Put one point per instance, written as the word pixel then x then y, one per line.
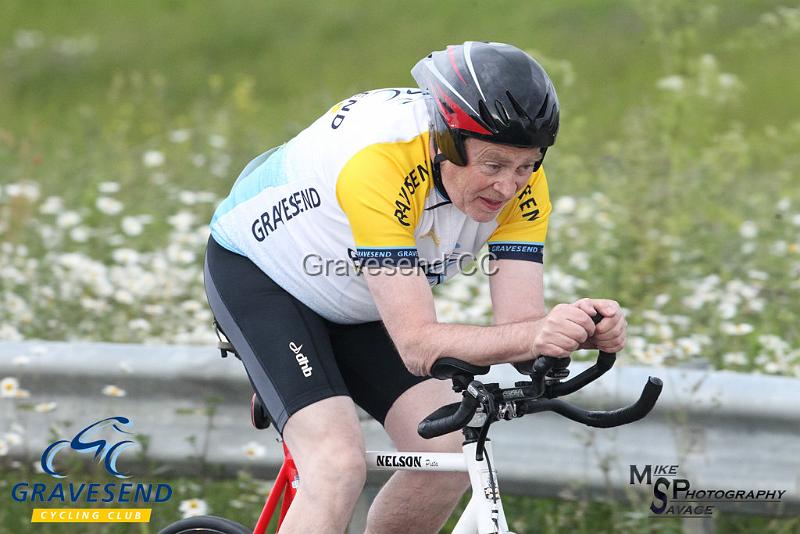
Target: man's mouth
pixel 492 205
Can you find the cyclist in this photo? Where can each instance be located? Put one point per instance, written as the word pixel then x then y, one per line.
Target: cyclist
pixel 321 259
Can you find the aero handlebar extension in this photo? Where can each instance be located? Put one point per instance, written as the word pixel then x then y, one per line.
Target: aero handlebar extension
pixel 537 395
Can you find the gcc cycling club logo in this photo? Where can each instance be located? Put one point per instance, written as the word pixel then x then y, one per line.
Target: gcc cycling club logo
pixel 101 452
pixel 91 440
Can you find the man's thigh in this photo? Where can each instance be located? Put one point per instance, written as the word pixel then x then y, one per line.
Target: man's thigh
pixel 283 344
pixel 371 367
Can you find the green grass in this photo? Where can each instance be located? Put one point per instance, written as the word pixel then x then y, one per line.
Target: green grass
pixel 302 58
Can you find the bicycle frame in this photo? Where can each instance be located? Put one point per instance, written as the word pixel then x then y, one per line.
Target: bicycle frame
pixel 285 485
pixel 483 514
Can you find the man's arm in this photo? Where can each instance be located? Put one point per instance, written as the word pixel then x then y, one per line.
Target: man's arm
pixel 517 289
pixel 405 303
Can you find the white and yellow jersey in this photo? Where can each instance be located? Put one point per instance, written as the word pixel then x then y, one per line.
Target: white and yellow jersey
pixel 357 186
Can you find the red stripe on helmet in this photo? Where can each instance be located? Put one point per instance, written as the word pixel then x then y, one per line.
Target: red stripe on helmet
pixel 451 55
pixel 458 118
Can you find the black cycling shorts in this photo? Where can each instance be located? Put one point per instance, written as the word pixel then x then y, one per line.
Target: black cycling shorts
pixel 293 356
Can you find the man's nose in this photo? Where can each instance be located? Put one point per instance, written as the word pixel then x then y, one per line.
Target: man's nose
pixel 506 187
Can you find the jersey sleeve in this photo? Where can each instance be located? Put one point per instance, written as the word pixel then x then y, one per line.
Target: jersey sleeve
pixel 522 228
pixel 382 205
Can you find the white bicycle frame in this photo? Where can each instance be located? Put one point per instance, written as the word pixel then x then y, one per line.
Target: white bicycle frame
pixel 484 513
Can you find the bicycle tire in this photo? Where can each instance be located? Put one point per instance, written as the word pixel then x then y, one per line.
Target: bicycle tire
pixel 205 524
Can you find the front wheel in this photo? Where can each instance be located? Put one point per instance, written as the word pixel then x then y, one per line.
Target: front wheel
pixel 205 524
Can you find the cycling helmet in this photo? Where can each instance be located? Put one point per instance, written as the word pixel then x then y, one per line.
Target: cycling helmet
pixel 491 91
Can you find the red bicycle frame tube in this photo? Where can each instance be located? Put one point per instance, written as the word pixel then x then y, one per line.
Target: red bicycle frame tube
pixel 286 485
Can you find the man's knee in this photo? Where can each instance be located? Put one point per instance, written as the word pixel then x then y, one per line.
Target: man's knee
pixel 334 465
pixel 328 448
pixel 340 461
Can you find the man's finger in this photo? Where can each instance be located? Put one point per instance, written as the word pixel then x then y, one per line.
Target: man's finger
pixel 584 321
pixel 608 308
pixel 609 329
pixel 585 304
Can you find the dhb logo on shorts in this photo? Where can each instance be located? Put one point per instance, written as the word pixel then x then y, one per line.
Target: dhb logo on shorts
pixel 302 361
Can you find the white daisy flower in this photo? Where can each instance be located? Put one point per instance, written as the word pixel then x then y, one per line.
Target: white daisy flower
pixel 108 205
pixel 179 136
pixel 51 205
pixel 45 407
pixel 736 329
pixel 9 387
pixel 108 188
pixel 748 230
pixel 672 83
pixel 193 507
pixel 68 219
pixel 113 391
pixel 254 450
pixel 217 141
pixel 153 158
pixel 139 324
pixel 13 439
pixel 182 221
pixel 125 256
pixel 132 226
pixel 565 205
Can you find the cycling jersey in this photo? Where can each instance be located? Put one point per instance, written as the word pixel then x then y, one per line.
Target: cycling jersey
pixel 357 186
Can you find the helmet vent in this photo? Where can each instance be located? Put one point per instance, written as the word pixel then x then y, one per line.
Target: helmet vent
pixel 502 114
pixel 543 110
pixel 487 117
pixel 519 109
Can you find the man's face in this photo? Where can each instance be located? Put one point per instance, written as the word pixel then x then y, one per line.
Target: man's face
pixel 493 175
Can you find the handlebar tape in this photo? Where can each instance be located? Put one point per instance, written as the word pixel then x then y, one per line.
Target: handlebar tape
pixel 602 419
pixel 448 418
pixel 605 361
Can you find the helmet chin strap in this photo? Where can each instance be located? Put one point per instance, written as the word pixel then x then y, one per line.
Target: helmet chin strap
pixel 539 163
pixel 438 158
pixel 437 175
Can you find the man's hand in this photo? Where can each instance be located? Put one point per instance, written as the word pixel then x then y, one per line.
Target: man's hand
pixel 563 331
pixel 609 335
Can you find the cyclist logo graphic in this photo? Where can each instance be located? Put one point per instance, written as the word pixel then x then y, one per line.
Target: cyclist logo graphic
pixel 84 443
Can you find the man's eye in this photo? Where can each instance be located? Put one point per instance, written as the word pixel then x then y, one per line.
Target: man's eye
pixel 492 167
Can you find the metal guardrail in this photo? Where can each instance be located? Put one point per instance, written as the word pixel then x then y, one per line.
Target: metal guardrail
pixel 723 430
